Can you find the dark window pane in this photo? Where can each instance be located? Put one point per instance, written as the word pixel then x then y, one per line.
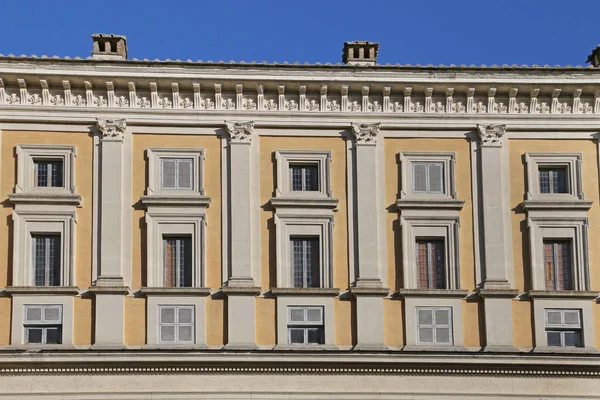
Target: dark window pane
pixel 315 336
pixel 553 339
pixel 296 336
pixel 34 335
pixel 573 339
pixel 53 336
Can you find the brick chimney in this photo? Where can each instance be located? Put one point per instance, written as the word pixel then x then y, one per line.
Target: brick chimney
pixel 109 47
pixel 594 58
pixel 360 53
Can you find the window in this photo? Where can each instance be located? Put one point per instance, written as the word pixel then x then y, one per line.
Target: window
pixel 431 264
pixel 305 325
pixel 177 173
pixel 48 173
pixel 428 177
pixel 177 251
pixel 305 261
pixel 563 328
pixel 558 265
pixel 304 178
pixel 434 325
pixel 43 324
pixel 553 180
pixel 46 260
pixel 176 324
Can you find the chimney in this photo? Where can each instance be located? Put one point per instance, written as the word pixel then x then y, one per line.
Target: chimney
pixel 360 53
pixel 594 58
pixel 109 47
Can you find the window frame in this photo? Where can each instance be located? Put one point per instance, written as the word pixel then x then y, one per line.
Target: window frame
pixel 176 324
pixel 305 239
pixel 27 154
pixel 306 325
pixel 155 155
pixel 430 241
pixel 37 162
pixel 20 300
pixel 57 257
pixel 433 326
pixel 319 158
pixel 555 267
pixel 428 190
pixel 154 300
pixel 304 168
pixel 178 161
pixel 284 301
pixel 42 324
pixel 407 160
pixel 571 161
pixel 564 327
pixel 181 240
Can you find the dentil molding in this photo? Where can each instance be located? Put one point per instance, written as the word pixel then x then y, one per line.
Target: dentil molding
pixel 491 135
pixel 366 133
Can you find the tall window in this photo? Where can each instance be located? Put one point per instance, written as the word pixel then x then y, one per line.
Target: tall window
pixel 305 325
pixel 48 173
pixel 305 261
pixel 558 265
pixel 431 264
pixel 553 180
pixel 177 252
pixel 177 173
pixel 43 324
pixel 176 324
pixel 563 328
pixel 428 177
pixel 46 260
pixel 434 325
pixel 305 178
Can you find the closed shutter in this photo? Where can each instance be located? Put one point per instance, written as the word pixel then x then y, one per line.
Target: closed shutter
pixel 419 178
pixel 436 174
pixel 168 174
pixel 442 323
pixel 185 174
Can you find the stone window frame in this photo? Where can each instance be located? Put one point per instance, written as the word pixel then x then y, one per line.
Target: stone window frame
pixel 571 161
pixel 433 299
pixel 172 223
pixel 406 159
pixel 303 224
pixel 28 153
pixel 154 155
pixel 321 158
pixel 284 302
pixel 19 301
pixel 575 229
pixel 27 223
pixel 540 305
pixel 443 227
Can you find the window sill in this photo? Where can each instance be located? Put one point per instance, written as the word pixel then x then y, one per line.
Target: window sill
pixel 433 202
pixel 43 197
pixel 434 348
pixel 175 291
pixel 433 293
pixel 305 201
pixel 175 346
pixel 563 294
pixel 109 290
pixel 566 350
pixel 498 293
pixel 305 347
pixel 324 292
pixel 556 204
pixel 30 348
pixel 64 290
pixel 372 291
pixel 176 200
pixel 242 290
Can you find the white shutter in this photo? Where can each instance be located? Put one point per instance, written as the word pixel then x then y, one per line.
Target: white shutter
pixel 425 316
pixel 419 178
pixel 442 316
pixel 52 314
pixel 436 175
pixel 167 315
pixel 314 315
pixel 168 174
pixel 571 317
pixel 185 333
pixel 185 174
pixel 296 314
pixel 33 314
pixel 553 317
pixel 185 315
pixel 442 335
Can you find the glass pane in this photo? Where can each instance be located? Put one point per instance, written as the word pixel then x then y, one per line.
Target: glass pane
pixel 549 265
pixel 426 335
pixel 313 278
pixel 438 268
pixel 52 314
pixel 572 338
pixel 544 180
pixel 554 317
pixel 565 271
pixel 442 317
pixel 185 333
pixel 34 335
pixel 167 315
pixel 571 317
pixel 314 315
pixel 435 178
pixel 296 336
pixel 41 170
pixel 53 336
pixel 422 262
pixel 425 317
pixel 298 262
pixel 315 336
pixel 296 175
pixel 419 178
pixel 296 315
pixel 185 174
pixel 168 174
pixel 553 338
pixel 167 333
pixel 33 314
pixel 185 316
pixel 311 178
pixel 559 181
pixel 442 335
pixel 56 175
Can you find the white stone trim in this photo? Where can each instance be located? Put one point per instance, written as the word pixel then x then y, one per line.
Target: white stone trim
pixel 438 224
pixel 154 156
pixel 171 221
pixel 283 302
pixel 406 160
pixel 303 222
pixel 26 155
pixel 320 158
pixel 18 309
pixel 54 219
pixel 570 161
pixel 547 225
pixel 539 318
pixel 152 304
pixel 410 306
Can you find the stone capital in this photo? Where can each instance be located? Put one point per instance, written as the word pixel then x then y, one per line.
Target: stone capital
pixel 240 132
pixel 491 135
pixel 111 129
pixel 366 133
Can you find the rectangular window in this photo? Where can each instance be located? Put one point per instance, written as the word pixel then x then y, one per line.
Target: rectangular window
pixel 431 264
pixel 48 173
pixel 305 178
pixel 305 325
pixel 305 262
pixel 176 324
pixel 553 180
pixel 177 252
pixel 43 324
pixel 177 173
pixel 46 260
pixel 563 328
pixel 434 325
pixel 428 177
pixel 558 265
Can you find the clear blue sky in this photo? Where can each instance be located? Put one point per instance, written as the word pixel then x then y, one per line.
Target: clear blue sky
pixel 418 31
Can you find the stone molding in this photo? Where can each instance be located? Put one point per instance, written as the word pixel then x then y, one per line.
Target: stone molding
pixel 365 133
pixel 111 129
pixel 240 132
pixel 491 135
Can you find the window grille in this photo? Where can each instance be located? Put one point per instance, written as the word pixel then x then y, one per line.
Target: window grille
pixel 177 252
pixel 553 180
pixel 558 265
pixel 46 260
pixel 305 262
pixel 48 173
pixel 305 178
pixel 431 264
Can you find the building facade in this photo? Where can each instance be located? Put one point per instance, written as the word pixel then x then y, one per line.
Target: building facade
pixel 179 229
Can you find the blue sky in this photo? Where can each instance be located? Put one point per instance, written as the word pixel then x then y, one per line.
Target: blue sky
pixel 425 32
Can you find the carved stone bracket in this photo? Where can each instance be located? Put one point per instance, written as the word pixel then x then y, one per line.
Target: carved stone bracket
pixel 111 129
pixel 240 132
pixel 366 133
pixel 491 135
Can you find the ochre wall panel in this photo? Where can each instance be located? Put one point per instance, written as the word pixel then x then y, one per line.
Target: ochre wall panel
pixel 84 323
pixel 265 321
pixel 523 331
pixel 393 334
pixel 215 325
pixel 135 321
pixel 5 316
pixel 471 328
